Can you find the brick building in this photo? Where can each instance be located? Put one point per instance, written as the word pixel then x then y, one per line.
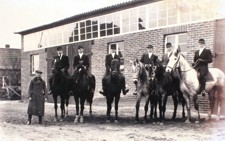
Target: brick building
pixel 132 26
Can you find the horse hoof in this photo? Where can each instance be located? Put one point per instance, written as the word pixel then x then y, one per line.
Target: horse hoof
pixel 136 121
pixel 55 119
pixel 154 123
pixel 161 123
pixel 81 119
pixel 145 121
pixel 107 121
pixel 116 121
pixel 61 120
pixel 76 119
pixel 197 122
pixel 187 121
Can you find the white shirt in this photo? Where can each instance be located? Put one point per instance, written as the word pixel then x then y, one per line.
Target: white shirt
pixel 149 55
pixel 169 53
pixel 113 55
pixel 80 54
pixel 200 50
pixel 60 57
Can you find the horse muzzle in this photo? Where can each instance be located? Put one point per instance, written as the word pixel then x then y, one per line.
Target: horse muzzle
pixel 168 69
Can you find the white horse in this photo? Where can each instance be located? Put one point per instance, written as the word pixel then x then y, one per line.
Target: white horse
pixel 189 83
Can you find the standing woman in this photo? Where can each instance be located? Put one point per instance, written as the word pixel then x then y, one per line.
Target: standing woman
pixel 37 94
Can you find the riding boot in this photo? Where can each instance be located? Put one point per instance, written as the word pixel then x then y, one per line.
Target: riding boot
pixel 103 86
pixel 29 119
pixel 40 119
pixel 125 91
pixel 135 91
pixel 50 88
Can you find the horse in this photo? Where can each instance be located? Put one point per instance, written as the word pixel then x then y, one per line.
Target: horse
pixel 169 85
pixel 140 77
pixel 59 88
pixel 112 86
pixel 155 94
pixel 83 89
pixel 189 83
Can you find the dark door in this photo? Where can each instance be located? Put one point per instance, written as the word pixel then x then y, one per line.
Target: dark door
pixel 219 50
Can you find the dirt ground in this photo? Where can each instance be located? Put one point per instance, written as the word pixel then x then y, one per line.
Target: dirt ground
pixel 13 126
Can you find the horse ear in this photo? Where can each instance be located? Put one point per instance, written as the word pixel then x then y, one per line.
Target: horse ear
pixel 137 60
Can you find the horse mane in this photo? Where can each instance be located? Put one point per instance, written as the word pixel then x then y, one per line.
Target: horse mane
pixel 144 74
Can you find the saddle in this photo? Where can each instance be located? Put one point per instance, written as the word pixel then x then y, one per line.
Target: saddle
pixel 209 77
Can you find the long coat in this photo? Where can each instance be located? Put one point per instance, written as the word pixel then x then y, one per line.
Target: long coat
pixel 37 91
pixel 202 66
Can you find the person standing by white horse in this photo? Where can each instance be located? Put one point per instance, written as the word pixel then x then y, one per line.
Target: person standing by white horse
pixel 202 58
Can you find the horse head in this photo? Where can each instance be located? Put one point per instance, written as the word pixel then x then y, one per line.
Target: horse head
pixel 173 60
pixel 115 67
pixel 139 71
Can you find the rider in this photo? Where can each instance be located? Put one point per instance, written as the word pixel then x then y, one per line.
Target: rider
pixel 166 56
pixel 108 60
pixel 64 65
pixel 147 58
pixel 80 60
pixel 202 58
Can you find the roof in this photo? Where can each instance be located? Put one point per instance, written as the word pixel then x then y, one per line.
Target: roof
pixel 83 16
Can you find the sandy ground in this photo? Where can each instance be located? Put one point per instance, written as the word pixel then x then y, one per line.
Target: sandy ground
pixel 13 126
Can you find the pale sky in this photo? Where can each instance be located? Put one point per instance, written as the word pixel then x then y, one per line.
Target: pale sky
pixel 19 15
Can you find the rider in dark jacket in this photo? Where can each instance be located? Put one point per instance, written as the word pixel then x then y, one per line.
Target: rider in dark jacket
pixel 108 61
pixel 63 65
pixel 202 58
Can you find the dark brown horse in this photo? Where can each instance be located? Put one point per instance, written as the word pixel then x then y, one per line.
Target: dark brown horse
pixel 59 88
pixel 83 89
pixel 113 85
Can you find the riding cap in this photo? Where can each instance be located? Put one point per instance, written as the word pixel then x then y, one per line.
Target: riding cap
pixel 38 71
pixel 79 47
pixel 113 46
pixel 202 41
pixel 59 48
pixel 168 44
pixel 149 46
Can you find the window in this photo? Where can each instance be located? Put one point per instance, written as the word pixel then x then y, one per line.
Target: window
pixel 4 81
pixel 120 52
pixel 34 63
pixel 178 40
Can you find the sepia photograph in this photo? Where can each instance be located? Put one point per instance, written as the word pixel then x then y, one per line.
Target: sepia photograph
pixel 112 70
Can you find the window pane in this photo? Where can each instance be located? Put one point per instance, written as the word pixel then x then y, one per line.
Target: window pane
pixel 133 27
pixel 82 24
pixel 152 24
pixel 116 30
pixel 172 20
pixel 88 29
pixel 82 30
pixel 162 22
pixel 94 22
pixel 76 32
pixel 102 33
pixel 141 25
pixel 109 32
pixel 102 26
pixel 125 29
pixel 88 35
pixel 95 28
pixel 88 22
pixel 95 34
pixel 109 25
pixel 76 38
pixel 182 38
pixel 82 37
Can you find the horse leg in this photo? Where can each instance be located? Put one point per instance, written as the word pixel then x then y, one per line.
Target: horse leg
pixel 137 108
pixel 77 109
pixel 147 100
pixel 109 101
pixel 164 105
pixel 211 101
pixel 183 110
pixel 117 99
pixel 82 109
pixel 175 103
pixel 67 104
pixel 62 106
pixel 219 97
pixel 196 105
pixel 187 100
pixel 55 107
